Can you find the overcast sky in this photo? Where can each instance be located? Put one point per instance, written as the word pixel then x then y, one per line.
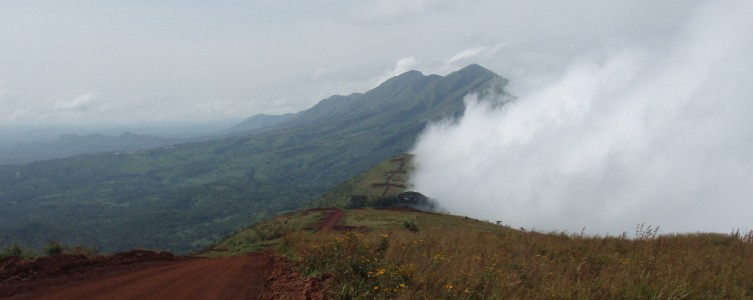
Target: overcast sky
pixel 80 62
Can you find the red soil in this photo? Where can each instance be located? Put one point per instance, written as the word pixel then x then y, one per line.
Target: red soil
pixel 330 221
pixel 141 274
pixel 18 275
pixel 388 184
pixel 259 275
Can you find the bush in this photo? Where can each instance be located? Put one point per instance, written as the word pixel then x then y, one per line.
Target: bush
pixel 358 201
pixel 410 226
pixel 12 251
pixel 53 248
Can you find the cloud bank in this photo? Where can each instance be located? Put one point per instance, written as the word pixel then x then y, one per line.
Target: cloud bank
pixel 657 134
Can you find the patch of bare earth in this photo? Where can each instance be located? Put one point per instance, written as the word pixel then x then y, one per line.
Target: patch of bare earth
pixel 331 220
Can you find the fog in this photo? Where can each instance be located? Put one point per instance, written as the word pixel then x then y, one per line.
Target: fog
pixel 642 131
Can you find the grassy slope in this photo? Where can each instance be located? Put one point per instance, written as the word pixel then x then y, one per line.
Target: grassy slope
pixel 458 258
pixel 368 183
pixel 461 258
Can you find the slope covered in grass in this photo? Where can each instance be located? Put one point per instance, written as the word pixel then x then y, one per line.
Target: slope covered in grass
pixel 443 256
pixel 388 178
pixel 452 257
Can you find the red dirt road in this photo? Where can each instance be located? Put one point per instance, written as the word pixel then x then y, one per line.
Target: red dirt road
pixel 330 222
pixel 202 278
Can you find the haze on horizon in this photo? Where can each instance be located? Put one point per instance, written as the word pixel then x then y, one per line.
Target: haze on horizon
pixel 82 62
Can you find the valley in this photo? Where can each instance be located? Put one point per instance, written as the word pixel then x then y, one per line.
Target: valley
pixel 181 198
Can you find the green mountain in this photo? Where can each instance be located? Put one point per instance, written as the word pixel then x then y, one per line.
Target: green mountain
pixel 183 197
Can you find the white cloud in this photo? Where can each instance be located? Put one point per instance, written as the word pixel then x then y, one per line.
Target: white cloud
pixel 465 54
pixel 403 65
pixel 657 135
pixel 79 102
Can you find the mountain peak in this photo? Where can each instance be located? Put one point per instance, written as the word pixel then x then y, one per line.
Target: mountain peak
pixel 411 73
pixel 404 78
pixel 474 69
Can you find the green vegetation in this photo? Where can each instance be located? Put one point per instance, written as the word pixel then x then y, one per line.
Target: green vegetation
pixel 52 248
pixel 182 198
pixel 264 235
pixel 15 250
pixel 386 179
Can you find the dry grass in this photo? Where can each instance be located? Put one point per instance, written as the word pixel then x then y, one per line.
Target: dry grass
pixel 458 258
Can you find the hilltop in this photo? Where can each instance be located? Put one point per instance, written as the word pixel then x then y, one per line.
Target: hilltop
pixel 406 254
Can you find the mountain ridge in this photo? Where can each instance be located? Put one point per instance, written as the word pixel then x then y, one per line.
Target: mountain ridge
pixel 181 198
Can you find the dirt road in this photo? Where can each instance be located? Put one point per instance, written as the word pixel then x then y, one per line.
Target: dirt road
pixel 330 221
pixel 202 278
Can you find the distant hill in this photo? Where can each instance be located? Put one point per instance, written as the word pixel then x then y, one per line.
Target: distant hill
pixel 182 197
pixel 72 144
pixel 259 122
pixel 33 145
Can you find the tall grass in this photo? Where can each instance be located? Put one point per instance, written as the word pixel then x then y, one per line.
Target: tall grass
pixel 468 263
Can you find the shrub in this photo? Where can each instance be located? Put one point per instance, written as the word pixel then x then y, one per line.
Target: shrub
pixel 358 201
pixel 53 248
pixel 410 226
pixel 14 250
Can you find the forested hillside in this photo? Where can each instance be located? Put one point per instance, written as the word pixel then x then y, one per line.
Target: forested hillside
pixel 181 198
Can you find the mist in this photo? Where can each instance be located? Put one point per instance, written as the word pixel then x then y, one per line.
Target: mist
pixel 657 132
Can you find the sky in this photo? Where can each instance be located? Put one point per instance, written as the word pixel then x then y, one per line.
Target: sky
pixel 640 131
pixel 125 62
